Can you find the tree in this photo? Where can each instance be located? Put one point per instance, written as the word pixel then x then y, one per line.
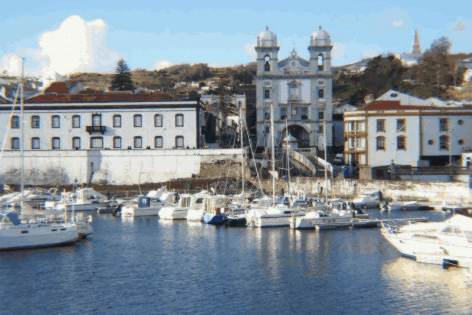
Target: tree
pixel 435 73
pixel 122 79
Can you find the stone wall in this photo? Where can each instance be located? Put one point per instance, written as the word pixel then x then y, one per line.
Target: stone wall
pixel 116 167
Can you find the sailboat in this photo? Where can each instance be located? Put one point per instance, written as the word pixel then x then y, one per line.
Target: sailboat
pixel 279 213
pixel 18 233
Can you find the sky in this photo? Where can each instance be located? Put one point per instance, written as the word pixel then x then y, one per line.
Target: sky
pixel 67 36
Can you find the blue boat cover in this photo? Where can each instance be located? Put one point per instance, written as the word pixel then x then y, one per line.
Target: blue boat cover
pixel 12 216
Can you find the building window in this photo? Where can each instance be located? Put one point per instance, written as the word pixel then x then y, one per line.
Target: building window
pixel 380 143
pixel 320 115
pixel 320 128
pixel 55 121
pixel 304 114
pixel 443 142
pixel 179 142
pixel 460 122
pixel 158 142
pixel 96 143
pixel 158 120
pixel 401 125
pixel 35 122
pixel 96 120
pixel 138 142
pixel 401 143
pixel 76 143
pixel 320 93
pixel 15 143
pixel 283 112
pixel 267 63
pixel 266 94
pixel 116 121
pixel 430 141
pixel 380 125
pixel 320 62
pixel 443 125
pixel 460 142
pixel 138 121
pixel 116 142
pixel 266 115
pixel 15 122
pixel 179 120
pixel 35 143
pixel 56 143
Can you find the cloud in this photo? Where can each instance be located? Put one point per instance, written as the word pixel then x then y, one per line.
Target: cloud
pixel 397 23
pixel 162 64
pixel 11 64
pixel 459 26
pixel 75 46
pixel 249 49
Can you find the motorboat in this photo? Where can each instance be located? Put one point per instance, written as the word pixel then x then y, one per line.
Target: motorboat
pixel 368 200
pixel 446 243
pixel 141 207
pixel 277 215
pixel 83 199
pixel 407 206
pixel 197 207
pixel 176 211
pixel 333 219
pixel 216 208
pixel 15 234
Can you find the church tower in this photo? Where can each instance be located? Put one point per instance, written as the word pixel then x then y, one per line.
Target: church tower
pixel 416 45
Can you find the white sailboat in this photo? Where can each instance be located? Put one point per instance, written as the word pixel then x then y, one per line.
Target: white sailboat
pixel 15 234
pixel 447 243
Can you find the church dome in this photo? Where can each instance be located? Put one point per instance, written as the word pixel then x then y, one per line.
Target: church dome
pixel 320 38
pixel 267 38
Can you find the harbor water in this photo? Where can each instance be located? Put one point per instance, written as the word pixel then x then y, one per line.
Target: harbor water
pixel 147 266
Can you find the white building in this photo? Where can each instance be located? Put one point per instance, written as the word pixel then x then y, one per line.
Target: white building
pixel 57 120
pixel 299 90
pixel 387 132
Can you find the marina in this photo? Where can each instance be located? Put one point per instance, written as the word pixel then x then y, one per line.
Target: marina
pixel 149 265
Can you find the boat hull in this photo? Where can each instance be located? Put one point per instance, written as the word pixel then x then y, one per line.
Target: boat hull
pixel 195 215
pixel 173 213
pixel 214 219
pixel 139 212
pixel 39 236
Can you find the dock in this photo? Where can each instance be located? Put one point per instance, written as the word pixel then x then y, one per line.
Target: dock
pixel 365 223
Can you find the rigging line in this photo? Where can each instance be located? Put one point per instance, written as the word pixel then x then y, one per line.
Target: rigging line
pixel 229 168
pixel 13 107
pixel 253 158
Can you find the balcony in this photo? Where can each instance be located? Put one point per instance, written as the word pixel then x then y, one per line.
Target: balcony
pixel 96 129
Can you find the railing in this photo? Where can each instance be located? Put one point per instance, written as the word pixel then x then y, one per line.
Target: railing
pixel 432 170
pixel 96 129
pixel 302 159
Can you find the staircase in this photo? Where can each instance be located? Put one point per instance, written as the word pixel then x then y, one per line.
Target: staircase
pixel 309 159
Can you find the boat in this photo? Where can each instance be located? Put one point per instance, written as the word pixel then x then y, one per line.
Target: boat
pixel 368 200
pixel 278 215
pixel 333 219
pixel 216 207
pixel 141 207
pixel 197 207
pixel 407 206
pixel 446 243
pixel 236 216
pixel 176 211
pixel 15 234
pixel 16 231
pixel 83 199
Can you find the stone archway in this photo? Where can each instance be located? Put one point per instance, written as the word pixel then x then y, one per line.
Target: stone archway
pixel 299 133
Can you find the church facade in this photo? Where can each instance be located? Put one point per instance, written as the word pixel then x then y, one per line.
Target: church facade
pixel 298 92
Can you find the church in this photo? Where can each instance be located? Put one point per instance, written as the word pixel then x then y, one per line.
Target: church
pixel 297 91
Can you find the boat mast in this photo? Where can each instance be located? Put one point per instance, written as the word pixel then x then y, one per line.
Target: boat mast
pixel 273 150
pixel 241 139
pixel 22 136
pixel 288 159
pixel 326 159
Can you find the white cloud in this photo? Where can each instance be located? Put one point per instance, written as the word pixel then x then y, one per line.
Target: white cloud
pixel 339 50
pixel 75 46
pixel 397 23
pixel 162 64
pixel 250 51
pixel 11 64
pixel 460 26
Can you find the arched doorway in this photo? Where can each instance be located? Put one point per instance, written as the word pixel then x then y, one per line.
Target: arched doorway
pixel 299 133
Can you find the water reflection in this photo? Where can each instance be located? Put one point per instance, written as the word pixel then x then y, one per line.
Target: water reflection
pixel 430 283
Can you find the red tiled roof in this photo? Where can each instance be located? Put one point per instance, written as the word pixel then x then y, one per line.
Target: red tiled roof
pixel 99 98
pixel 57 88
pixel 395 105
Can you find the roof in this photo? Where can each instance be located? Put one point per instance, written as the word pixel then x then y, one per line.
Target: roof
pixel 396 105
pixel 112 97
pixel 404 99
pixel 57 88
